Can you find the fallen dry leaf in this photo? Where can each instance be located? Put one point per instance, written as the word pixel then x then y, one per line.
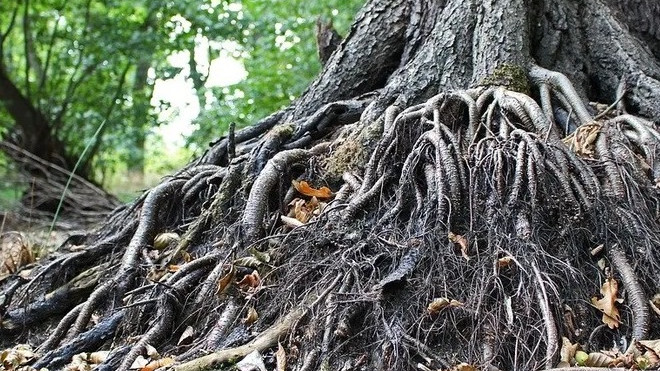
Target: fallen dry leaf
pixel 252 362
pixel 140 363
pixel 607 304
pixel 460 241
pixel 583 140
pixel 164 240
pixel 647 353
pixel 567 352
pixel 439 304
pixel 186 336
pixel 225 281
pixel 304 210
pixel 652 345
pixel 305 189
pixel 280 356
pixel 14 358
pixel 595 359
pixel 464 367
pixel 15 252
pixel 98 357
pixel 251 317
pixel 504 261
pixel 153 365
pixel 250 281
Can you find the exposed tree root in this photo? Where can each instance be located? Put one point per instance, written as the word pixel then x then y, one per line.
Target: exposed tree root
pixel 460 229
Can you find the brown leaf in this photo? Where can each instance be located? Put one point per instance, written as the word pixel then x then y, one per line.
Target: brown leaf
pixel 303 210
pixel 280 356
pixel 504 261
pixel 225 281
pixel 598 359
pixel 250 281
pixel 606 304
pixel 567 352
pixel 652 345
pixel 251 317
pixel 649 350
pixel 462 242
pixel 14 253
pixel 153 365
pixel 12 359
pixel 164 240
pixel 305 189
pixel 439 304
pixel 464 367
pixel 583 140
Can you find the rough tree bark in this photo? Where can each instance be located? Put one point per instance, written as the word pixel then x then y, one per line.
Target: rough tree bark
pixel 480 202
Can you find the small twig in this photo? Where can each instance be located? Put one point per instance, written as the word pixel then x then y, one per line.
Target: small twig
pixel 231 142
pixel 265 340
pixel 611 106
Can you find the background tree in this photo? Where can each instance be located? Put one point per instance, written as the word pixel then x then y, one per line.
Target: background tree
pixel 480 206
pixel 78 77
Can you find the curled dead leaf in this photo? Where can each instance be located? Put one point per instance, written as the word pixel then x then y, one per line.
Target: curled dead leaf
pixel 250 281
pixel 305 189
pixel 151 351
pixel 462 242
pixel 140 363
pixel 504 261
pixel 598 359
pixel 98 357
pixel 607 304
pixel 439 304
pixel 304 210
pixel 225 281
pixel 567 352
pixel 464 367
pixel 153 365
pixel 15 252
pixel 280 357
pixel 251 317
pixel 164 240
pixel 14 358
pixel 583 140
pixel 647 353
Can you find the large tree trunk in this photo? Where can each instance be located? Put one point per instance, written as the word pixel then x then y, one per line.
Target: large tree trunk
pixel 33 130
pixel 480 203
pixel 47 167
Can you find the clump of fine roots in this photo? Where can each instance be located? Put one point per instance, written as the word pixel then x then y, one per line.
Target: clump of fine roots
pixel 479 196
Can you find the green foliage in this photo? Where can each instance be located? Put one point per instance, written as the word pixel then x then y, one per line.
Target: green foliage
pixel 276 42
pixel 83 62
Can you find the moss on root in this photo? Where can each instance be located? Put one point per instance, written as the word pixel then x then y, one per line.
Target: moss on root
pixel 512 77
pixel 352 153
